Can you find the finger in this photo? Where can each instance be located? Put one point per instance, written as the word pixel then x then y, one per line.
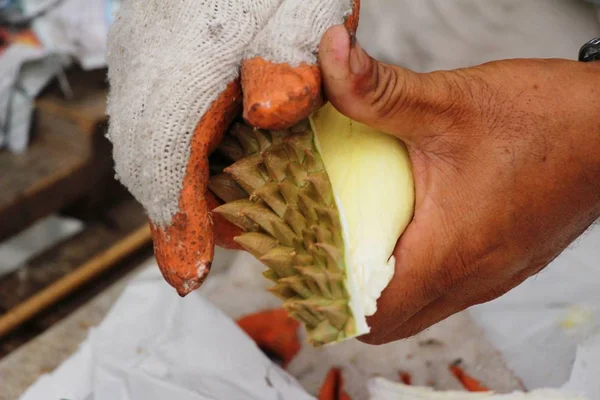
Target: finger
pixel 429 265
pixel 476 290
pixel 280 76
pixel 278 95
pixel 390 98
pixel 184 249
pixel 435 312
pixel 224 231
pixel 410 289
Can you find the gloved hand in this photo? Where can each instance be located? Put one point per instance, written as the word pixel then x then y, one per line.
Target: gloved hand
pixel 174 70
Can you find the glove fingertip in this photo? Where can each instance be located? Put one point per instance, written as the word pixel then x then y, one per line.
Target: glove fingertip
pixel 184 248
pixel 278 95
pixel 351 22
pixel 184 266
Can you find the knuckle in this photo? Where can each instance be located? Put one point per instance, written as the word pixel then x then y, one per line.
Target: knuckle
pixel 387 95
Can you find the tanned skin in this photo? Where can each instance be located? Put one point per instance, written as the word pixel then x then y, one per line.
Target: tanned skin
pixel 506 159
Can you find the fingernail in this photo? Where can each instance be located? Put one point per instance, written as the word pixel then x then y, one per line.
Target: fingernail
pixel 359 60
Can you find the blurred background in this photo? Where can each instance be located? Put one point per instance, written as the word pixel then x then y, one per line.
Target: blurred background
pixel 60 207
pixel 68 231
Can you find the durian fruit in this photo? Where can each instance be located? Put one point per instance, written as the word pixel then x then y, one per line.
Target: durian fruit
pixel 322 205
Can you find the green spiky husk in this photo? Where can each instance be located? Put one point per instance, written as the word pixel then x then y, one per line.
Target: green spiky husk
pixel 278 192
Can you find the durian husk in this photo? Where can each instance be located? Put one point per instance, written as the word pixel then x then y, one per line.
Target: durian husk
pixel 278 192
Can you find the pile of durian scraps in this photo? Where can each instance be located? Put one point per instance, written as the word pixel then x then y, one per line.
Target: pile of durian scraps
pixel 276 334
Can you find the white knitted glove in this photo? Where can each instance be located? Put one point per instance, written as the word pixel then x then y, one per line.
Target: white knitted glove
pixel 173 69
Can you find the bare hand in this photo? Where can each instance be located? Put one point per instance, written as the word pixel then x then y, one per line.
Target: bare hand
pixel 506 159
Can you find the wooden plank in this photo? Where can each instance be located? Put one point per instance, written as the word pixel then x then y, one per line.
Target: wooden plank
pixel 64 259
pixel 68 156
pixel 45 178
pixel 64 263
pixel 85 105
pixel 71 282
pixel 63 309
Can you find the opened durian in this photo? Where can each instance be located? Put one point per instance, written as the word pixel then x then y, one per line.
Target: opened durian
pixel 322 205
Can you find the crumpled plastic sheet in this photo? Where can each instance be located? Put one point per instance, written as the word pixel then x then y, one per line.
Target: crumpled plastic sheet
pixel 154 345
pixel 542 325
pixel 583 384
pixel 380 389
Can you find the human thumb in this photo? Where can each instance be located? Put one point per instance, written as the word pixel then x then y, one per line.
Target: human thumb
pixel 393 99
